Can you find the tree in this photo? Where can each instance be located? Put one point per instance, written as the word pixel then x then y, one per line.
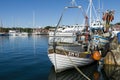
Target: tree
pixel 118 23
pixel 47 27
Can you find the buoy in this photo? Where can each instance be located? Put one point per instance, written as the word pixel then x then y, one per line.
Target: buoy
pixel 96 55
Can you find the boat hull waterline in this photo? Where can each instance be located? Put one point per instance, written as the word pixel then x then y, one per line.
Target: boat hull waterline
pixel 63 62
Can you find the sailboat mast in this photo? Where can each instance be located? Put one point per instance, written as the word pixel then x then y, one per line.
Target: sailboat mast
pixel 33 22
pixel 33 19
pixel 90 12
pixel 1 26
pixel 99 10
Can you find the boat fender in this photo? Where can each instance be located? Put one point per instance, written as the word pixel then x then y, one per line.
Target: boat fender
pixel 96 55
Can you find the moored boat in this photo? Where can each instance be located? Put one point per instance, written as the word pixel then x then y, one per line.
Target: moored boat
pixel 63 59
pixel 1 34
pixel 14 32
pixel 67 51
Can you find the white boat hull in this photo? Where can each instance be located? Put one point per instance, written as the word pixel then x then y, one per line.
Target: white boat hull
pixel 63 62
pixel 13 34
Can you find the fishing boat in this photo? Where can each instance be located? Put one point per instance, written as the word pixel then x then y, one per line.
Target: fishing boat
pixel 100 29
pixel 103 39
pixel 69 51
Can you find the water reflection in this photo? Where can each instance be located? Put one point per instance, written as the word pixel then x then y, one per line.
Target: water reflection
pixel 18 60
pixel 93 71
pixel 14 50
pixel 72 74
pixel 112 71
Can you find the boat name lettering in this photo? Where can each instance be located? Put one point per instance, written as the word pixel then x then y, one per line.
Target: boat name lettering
pixel 73 54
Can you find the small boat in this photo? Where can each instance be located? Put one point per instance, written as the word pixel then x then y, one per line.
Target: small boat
pixel 1 34
pixel 14 32
pixel 68 51
pixel 23 34
pixel 4 34
pixel 96 24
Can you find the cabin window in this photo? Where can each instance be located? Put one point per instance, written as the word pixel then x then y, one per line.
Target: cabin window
pixel 94 24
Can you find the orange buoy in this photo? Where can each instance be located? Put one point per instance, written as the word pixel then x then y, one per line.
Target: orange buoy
pixel 96 55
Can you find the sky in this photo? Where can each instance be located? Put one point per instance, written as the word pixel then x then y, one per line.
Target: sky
pixel 19 13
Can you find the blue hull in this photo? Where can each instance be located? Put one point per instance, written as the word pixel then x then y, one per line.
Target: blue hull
pixel 4 34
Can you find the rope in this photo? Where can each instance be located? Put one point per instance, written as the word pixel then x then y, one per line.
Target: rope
pixel 77 67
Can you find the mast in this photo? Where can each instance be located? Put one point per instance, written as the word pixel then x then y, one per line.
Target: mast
pixel 33 22
pixel 91 9
pixel 90 12
pixel 34 40
pixel 98 9
pixel 1 26
pixel 33 19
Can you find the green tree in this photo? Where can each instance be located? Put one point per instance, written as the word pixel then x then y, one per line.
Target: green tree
pixel 118 23
pixel 47 27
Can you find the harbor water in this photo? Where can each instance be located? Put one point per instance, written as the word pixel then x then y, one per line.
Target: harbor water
pixel 25 58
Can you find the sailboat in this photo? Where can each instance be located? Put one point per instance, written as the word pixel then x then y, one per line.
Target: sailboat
pixel 68 51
